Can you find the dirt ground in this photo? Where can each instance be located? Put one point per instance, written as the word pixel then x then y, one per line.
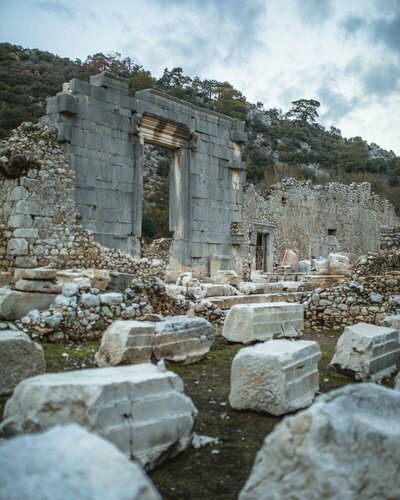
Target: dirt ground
pixel 221 469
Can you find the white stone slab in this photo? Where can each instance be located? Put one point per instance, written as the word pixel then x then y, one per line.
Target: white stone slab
pixel 345 446
pixel 69 463
pixel 227 278
pixel 367 352
pixel 142 409
pixel 278 376
pixel 251 322
pixel 20 358
pixel 125 343
pixel 15 304
pixel 183 339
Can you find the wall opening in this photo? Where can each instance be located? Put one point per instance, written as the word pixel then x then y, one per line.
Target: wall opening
pixel 332 232
pixel 261 252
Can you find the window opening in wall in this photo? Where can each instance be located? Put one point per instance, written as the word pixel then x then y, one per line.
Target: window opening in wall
pixel 283 200
pixel 156 187
pixel 331 232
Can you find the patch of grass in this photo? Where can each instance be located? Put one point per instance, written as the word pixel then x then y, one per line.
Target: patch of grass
pixel 61 358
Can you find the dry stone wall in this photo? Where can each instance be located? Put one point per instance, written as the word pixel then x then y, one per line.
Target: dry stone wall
pixel 317 220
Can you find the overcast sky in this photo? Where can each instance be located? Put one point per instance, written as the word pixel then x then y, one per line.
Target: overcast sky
pixel 345 53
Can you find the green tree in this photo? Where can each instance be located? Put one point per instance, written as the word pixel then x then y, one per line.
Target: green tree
pixel 304 110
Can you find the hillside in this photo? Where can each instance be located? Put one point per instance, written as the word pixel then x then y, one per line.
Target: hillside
pixel 280 144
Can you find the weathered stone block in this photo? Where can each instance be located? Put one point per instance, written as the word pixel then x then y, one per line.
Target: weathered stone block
pixel 5 278
pixel 278 377
pixel 251 322
pixel 20 358
pixel 367 352
pixel 17 246
pixel 226 278
pixel 355 428
pixel 26 261
pixel 98 278
pixel 183 339
pixel 125 343
pixel 14 304
pixel 36 285
pixel 142 408
pixel 338 263
pixel 40 273
pixel 70 462
pixel 392 322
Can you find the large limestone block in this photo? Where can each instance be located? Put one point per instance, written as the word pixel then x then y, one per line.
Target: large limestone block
pixel 183 339
pixel 278 376
pixel 38 273
pixel 345 446
pixel 99 278
pixel 226 278
pixel 338 263
pixel 20 358
pixel 36 285
pixel 367 352
pixel 125 343
pixel 69 462
pixel 142 409
pixel 251 322
pixel 392 322
pixel 15 304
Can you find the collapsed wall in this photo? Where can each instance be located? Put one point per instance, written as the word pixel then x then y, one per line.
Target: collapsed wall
pixel 316 220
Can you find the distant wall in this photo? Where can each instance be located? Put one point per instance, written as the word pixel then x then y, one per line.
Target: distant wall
pixel 317 220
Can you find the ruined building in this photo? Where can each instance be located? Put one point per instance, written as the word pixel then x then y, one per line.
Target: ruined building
pixel 73 195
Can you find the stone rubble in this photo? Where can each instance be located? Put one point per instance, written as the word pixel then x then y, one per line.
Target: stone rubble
pixel 20 358
pixel 248 323
pixel 367 352
pixel 69 462
pixel 277 377
pixel 346 445
pixel 142 409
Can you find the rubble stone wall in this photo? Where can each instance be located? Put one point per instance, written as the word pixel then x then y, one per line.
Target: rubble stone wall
pixel 317 220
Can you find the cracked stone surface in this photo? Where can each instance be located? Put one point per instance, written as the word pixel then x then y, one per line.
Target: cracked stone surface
pixel 142 409
pixel 69 462
pixel 346 445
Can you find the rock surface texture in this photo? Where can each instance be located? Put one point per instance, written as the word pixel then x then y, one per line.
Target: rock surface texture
pixel 69 462
pixel 346 445
pixel 367 352
pixel 177 338
pixel 278 376
pixel 251 322
pixel 20 358
pixel 142 409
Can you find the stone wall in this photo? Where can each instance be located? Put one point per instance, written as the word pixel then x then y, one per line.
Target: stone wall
pixel 316 220
pixel 39 223
pixel 390 239
pixel 371 293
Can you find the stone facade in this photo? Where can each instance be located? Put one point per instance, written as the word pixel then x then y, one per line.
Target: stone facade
pixel 104 131
pixel 314 220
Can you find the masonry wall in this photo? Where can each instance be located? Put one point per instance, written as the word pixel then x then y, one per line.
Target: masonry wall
pixel 104 130
pixel 304 215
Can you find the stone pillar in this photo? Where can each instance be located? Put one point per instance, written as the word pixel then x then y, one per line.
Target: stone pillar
pixel 269 252
pixel 138 152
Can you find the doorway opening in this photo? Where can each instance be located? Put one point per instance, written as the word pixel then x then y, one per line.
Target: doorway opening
pixel 261 252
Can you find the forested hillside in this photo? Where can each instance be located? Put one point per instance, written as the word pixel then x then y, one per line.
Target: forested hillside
pixel 281 144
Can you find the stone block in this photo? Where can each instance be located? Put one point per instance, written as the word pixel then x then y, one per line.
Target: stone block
pixel 142 409
pixel 40 273
pixel 304 266
pixel 25 233
pixel 126 343
pixel 15 304
pixel 247 323
pixel 5 278
pixel 392 322
pixel 346 445
pixel 182 339
pixel 26 261
pixel 69 462
pixel 338 263
pixel 111 299
pixel 65 103
pixel 277 377
pixel 89 300
pixel 17 246
pixel 367 352
pixel 40 286
pixel 20 358
pixel 99 278
pixel 226 278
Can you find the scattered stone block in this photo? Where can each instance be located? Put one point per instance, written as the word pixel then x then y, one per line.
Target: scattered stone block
pixel 183 339
pixel 20 358
pixel 98 278
pixel 278 377
pixel 346 445
pixel 15 304
pixel 39 273
pixel 39 286
pixel 226 278
pixel 217 290
pixel 142 409
pixel 111 299
pixel 338 263
pixel 70 462
pixel 126 343
pixel 304 266
pixel 392 322
pixel 247 323
pixel 367 352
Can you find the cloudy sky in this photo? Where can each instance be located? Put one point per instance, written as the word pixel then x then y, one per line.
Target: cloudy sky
pixel 345 53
